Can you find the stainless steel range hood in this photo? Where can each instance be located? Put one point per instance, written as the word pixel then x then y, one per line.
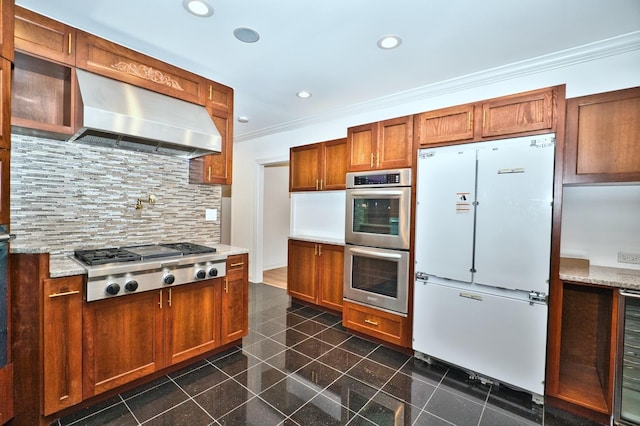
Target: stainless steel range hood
pixel 120 115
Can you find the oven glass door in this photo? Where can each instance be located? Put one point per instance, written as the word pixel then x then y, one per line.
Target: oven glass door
pixel 377 277
pixel 378 217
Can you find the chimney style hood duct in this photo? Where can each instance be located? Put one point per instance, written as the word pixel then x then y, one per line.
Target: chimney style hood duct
pixel 120 115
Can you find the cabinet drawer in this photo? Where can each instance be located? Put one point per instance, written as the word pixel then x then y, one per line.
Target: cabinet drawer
pixel 379 324
pixel 236 263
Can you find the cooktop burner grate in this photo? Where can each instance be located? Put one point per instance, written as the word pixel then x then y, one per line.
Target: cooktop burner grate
pixel 103 256
pixel 189 248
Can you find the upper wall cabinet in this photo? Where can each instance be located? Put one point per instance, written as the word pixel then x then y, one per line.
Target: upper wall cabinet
pixel 44 37
pixel 383 145
pixel 603 138
pixel 522 114
pixel 112 60
pixel 318 167
pixel 6 28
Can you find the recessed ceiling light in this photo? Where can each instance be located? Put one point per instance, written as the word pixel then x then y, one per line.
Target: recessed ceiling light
pixel 304 94
pixel 198 7
pixel 243 119
pixel 389 42
pixel 246 35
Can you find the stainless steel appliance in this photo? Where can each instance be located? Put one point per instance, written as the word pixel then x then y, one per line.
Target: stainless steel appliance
pixel 122 271
pixel 4 301
pixel 377 277
pixel 627 387
pixel 379 208
pixel 378 218
pixel 482 258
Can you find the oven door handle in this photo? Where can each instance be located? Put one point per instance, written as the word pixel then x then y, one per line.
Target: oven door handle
pixel 628 294
pixel 370 193
pixel 375 254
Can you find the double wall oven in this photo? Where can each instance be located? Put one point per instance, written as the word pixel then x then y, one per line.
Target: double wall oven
pixel 378 218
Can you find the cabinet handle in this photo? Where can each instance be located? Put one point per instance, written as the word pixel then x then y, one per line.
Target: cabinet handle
pixel 210 92
pixel 321 183
pixel 209 173
pixel 469 120
pixel 484 118
pixel 316 184
pixel 169 300
pixel 226 285
pixel 66 293
pixel 319 249
pixel 69 49
pixel 371 161
pixel 160 300
pixel 315 249
pixel 378 160
pixel 233 265
pixel 374 323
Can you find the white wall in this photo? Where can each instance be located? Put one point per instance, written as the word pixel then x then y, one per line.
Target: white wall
pixel 599 221
pixel 276 216
pixel 593 69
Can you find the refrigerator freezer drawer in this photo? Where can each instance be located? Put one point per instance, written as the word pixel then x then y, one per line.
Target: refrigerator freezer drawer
pixel 494 336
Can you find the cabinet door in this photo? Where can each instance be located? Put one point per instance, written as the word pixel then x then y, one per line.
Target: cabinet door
pixel 301 272
pixel 331 276
pixel 235 298
pixel 215 168
pixel 6 28
pixel 44 37
pixel 525 112
pixel 112 60
pixel 603 134
pixel 304 167
pixel 191 320
pixel 395 143
pixel 445 125
pixel 334 159
pixel 62 343
pixel 379 324
pixel 361 146
pixel 122 340
pixel 5 104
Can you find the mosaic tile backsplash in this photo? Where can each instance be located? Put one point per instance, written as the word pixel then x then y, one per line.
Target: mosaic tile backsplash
pixel 67 196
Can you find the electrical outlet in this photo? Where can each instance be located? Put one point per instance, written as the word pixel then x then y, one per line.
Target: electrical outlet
pixel 628 257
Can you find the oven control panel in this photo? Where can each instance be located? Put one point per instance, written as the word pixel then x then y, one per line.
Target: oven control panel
pixel 168 275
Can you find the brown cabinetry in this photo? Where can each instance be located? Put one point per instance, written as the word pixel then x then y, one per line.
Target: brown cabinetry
pixel 234 299
pixel 112 60
pixel 62 343
pixel 603 138
pixel 526 113
pixel 316 273
pixel 581 348
pixel 122 340
pixel 6 28
pixel 318 167
pixel 44 37
pixel 376 323
pixel 216 168
pixel 383 145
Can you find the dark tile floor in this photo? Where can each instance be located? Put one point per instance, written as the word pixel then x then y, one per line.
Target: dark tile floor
pixel 299 366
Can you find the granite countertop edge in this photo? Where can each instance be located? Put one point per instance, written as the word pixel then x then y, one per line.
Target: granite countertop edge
pixel 61 264
pixel 318 239
pixel 602 275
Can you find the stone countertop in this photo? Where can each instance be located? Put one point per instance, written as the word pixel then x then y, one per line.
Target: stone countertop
pixel 601 275
pixel 62 264
pixel 317 239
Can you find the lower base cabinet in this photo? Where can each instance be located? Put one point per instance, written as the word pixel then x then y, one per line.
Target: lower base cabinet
pixel 316 273
pixel 581 349
pixel 376 323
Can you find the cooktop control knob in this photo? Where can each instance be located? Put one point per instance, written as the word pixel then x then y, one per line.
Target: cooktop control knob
pixel 169 279
pixel 113 289
pixel 213 272
pixel 131 285
pixel 200 274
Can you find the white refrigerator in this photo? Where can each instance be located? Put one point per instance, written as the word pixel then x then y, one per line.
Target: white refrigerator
pixel 482 253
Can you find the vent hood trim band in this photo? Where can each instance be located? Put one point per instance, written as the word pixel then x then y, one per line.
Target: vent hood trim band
pixel 119 115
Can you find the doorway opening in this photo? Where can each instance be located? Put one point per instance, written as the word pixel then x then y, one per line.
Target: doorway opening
pixel 276 224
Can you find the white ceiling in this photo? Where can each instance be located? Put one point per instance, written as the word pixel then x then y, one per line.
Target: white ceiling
pixel 329 46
